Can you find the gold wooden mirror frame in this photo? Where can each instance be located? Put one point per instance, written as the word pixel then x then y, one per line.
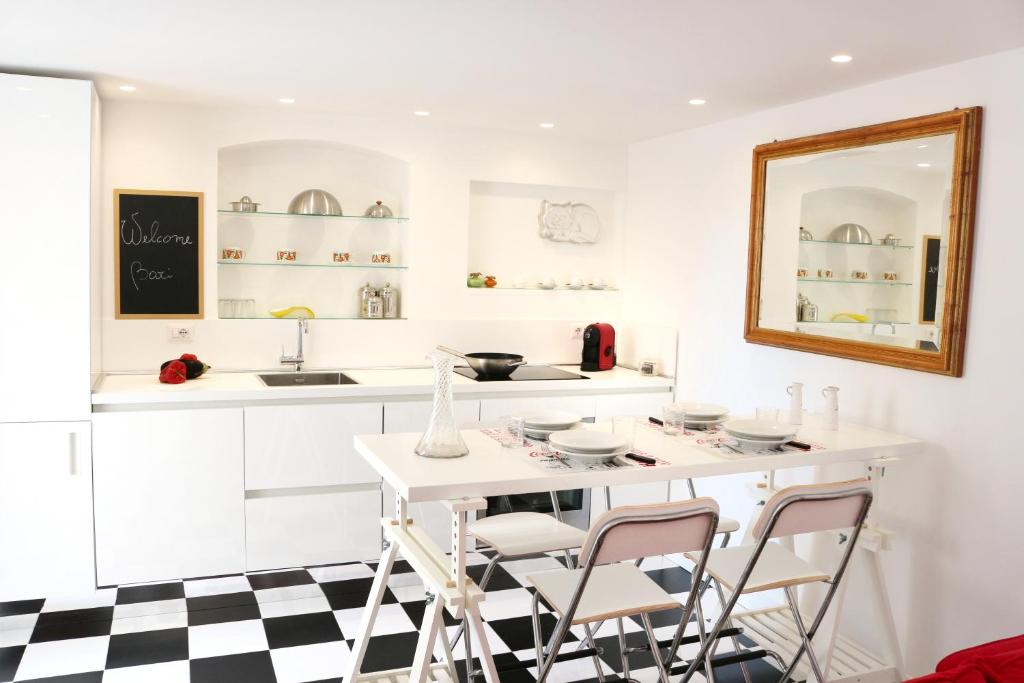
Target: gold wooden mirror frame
pixel 965 125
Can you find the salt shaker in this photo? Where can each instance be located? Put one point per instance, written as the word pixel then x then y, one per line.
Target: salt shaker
pixel 365 293
pixel 375 305
pixel 831 420
pixel 796 403
pixel 389 297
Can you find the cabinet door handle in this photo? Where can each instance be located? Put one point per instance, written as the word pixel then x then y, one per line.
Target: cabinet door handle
pixel 73 454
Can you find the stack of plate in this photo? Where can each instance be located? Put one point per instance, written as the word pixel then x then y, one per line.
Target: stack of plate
pixel 704 415
pixel 541 424
pixel 587 446
pixel 759 434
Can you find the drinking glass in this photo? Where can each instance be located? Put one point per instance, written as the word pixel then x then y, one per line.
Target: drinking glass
pixel 225 308
pixel 625 426
pixel 512 431
pixel 766 414
pixel 673 419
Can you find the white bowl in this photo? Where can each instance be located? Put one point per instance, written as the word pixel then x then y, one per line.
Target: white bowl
pixel 588 441
pixel 760 429
pixel 551 419
pixel 705 411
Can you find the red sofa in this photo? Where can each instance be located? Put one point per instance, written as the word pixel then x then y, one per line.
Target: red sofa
pixel 1001 661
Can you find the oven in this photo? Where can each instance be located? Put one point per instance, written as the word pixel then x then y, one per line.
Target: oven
pixel 574 505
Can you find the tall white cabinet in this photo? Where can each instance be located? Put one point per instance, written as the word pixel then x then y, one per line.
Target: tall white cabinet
pixel 49 344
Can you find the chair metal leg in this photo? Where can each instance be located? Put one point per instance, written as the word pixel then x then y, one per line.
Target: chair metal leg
pixel 596 658
pixel 707 644
pixel 735 640
pixel 483 586
pixel 468 646
pixel 655 650
pixel 535 614
pixel 554 645
pixel 623 655
pixel 811 656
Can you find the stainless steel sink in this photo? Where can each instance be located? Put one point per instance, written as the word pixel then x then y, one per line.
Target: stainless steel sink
pixel 305 379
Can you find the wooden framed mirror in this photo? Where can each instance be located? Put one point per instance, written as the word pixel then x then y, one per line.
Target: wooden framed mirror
pixel 860 242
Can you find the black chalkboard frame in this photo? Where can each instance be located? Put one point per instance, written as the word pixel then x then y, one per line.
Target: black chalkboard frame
pixel 931 255
pixel 118 314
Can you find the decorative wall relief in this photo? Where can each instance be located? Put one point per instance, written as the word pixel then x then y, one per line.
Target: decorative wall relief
pixel 569 222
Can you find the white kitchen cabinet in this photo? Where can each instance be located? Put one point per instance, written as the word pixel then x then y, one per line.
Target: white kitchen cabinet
pixel 414 416
pixel 639 405
pixel 45 510
pixel 288 529
pixel 308 445
pixel 49 341
pixel 495 408
pixel 169 494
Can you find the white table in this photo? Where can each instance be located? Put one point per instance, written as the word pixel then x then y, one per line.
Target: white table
pixel 490 470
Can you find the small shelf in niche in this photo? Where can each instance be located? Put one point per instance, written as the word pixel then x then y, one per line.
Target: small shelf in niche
pixel 285 214
pixel 560 288
pixel 319 317
pixel 897 283
pixel 293 264
pixel 858 244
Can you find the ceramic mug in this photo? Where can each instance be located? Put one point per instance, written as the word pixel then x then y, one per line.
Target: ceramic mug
pixel 341 257
pixel 232 254
pixel 890 276
pixel 825 273
pixel 380 257
pixel 285 254
pixel 801 272
pixel 859 274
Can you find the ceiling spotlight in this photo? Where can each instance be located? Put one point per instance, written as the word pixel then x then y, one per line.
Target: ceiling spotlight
pixel 842 59
pixel 924 165
pixel 547 125
pixel 44 116
pixel 696 101
pixel 286 100
pixel 421 112
pixel 127 88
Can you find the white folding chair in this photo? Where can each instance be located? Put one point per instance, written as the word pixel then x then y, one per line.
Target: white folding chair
pixel 767 565
pixel 606 586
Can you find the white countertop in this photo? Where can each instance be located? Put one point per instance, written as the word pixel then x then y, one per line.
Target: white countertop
pixel 129 389
pixel 491 470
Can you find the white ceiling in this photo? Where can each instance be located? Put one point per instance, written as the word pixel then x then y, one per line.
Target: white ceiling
pixel 612 70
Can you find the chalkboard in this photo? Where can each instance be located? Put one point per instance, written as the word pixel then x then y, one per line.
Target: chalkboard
pixel 931 248
pixel 158 254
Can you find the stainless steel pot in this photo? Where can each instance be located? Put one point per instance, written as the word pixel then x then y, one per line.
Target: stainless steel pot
pixel 490 365
pixel 245 205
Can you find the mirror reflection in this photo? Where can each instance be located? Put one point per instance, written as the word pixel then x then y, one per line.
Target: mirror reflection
pixel 854 242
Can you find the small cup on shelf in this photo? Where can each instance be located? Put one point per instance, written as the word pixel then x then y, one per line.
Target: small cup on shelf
pixel 232 254
pixel 801 272
pixel 825 273
pixel 380 257
pixel 859 274
pixel 341 256
pixel 286 255
pixel 890 276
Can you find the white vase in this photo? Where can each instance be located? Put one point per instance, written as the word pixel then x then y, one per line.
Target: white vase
pixel 442 438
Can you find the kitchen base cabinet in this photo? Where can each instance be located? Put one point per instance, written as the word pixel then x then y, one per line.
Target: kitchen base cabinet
pixel 286 529
pixel 169 494
pixel 45 510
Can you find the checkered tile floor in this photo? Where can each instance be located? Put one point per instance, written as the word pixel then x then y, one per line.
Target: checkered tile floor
pixel 288 626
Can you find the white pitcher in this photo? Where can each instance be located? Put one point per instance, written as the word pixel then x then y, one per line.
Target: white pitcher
pixel 796 403
pixel 831 418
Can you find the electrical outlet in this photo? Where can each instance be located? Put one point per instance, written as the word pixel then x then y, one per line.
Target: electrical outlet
pixel 181 332
pixel 577 332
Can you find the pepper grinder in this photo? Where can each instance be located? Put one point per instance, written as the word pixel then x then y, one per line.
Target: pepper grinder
pixel 796 403
pixel 831 418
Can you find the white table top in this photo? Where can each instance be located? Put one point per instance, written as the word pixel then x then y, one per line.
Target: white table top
pixel 491 470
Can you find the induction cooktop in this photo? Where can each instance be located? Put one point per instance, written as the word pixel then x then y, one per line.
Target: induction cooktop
pixel 525 373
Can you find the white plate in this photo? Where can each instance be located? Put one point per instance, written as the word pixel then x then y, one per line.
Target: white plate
pixel 588 441
pixel 551 419
pixel 758 444
pixel 592 457
pixel 699 411
pixel 760 429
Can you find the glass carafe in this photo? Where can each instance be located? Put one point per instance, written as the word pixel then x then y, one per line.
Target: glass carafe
pixel 442 438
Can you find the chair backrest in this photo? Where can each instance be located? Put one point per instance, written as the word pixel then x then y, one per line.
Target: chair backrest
pixel 632 531
pixel 814 507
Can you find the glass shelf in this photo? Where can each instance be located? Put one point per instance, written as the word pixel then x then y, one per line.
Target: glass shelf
pixel 560 288
pixel 893 283
pixel 293 319
pixel 292 264
pixel 847 322
pixel 858 244
pixel 247 214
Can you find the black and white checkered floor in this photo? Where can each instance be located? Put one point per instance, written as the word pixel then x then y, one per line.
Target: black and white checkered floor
pixel 288 626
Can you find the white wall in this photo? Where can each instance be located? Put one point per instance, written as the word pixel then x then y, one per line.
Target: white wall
pixel 159 146
pixel 956 565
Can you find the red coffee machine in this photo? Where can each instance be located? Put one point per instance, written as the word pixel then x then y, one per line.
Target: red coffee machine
pixel 598 347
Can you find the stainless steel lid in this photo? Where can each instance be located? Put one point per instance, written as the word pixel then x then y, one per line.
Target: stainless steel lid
pixel 851 233
pixel 315 203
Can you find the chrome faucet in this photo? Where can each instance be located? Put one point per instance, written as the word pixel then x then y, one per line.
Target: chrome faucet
pixel 297 360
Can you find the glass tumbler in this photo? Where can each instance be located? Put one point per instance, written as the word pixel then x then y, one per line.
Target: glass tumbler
pixel 673 419
pixel 512 431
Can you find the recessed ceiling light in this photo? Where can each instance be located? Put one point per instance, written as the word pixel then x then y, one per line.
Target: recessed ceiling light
pixel 924 165
pixel 286 100
pixel 921 146
pixel 44 116
pixel 421 112
pixel 127 88
pixel 23 88
pixel 696 101
pixel 842 59
pixel 547 125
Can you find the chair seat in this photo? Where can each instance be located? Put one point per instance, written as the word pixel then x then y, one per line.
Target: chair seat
pixel 776 568
pixel 613 590
pixel 526 533
pixel 727 525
